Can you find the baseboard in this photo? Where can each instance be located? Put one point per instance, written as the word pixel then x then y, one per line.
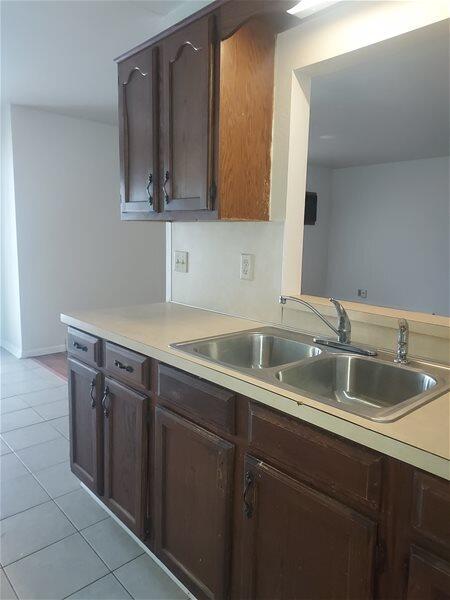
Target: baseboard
pixel 43 351
pixel 140 543
pixel 14 350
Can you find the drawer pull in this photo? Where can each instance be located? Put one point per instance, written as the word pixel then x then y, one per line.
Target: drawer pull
pixel 106 407
pixel 248 507
pixel 80 347
pixel 91 393
pixel 126 368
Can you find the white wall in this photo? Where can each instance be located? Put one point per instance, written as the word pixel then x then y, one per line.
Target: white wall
pixel 389 234
pixel 73 250
pixel 316 237
pixel 10 304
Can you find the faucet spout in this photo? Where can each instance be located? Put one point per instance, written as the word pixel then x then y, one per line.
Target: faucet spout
pixel 339 308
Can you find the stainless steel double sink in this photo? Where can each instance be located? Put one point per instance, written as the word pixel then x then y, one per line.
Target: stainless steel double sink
pixel 374 388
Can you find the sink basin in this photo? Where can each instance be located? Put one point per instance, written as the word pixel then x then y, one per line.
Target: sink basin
pixel 251 350
pixel 371 388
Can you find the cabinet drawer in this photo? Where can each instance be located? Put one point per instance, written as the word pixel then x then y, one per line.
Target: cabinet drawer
pixel 431 508
pixel 205 402
pixel 339 468
pixel 127 366
pixel 84 346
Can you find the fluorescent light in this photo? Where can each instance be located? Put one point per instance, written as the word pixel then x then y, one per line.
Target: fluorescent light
pixel 308 7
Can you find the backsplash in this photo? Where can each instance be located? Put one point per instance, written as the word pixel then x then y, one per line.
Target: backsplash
pixel 213 281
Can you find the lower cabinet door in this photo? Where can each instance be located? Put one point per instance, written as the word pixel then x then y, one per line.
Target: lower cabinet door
pixel 193 479
pixel 126 453
pixel 429 577
pixel 300 544
pixel 85 417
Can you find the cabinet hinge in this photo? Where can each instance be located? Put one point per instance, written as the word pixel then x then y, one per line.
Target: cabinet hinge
pixel 212 191
pixel 380 557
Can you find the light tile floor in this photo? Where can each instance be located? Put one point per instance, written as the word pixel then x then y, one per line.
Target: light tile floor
pixel 56 542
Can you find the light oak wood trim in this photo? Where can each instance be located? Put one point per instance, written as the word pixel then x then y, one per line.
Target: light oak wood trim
pixel 245 122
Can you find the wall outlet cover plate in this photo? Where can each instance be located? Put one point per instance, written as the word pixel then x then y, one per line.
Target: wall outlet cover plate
pixel 180 261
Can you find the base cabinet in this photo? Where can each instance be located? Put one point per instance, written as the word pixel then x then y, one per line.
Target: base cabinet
pixel 125 418
pixel 299 543
pixel 243 502
pixel 85 424
pixel 193 488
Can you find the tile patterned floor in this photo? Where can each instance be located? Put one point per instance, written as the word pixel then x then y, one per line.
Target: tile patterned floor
pixel 56 542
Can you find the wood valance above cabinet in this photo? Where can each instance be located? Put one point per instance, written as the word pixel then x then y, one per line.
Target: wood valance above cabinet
pixel 195 116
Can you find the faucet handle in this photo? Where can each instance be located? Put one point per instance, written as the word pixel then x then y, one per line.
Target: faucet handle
pixel 344 325
pixel 338 306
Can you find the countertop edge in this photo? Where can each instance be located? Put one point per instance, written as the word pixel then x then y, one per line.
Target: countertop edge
pixel 402 451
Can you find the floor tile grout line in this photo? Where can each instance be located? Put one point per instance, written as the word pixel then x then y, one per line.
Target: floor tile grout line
pixel 10 582
pixel 43 547
pixel 120 583
pixel 89 543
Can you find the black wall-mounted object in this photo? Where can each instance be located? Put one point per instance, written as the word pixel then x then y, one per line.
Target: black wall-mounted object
pixel 310 208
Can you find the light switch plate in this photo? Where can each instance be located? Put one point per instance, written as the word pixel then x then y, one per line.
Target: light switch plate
pixel 180 261
pixel 247 266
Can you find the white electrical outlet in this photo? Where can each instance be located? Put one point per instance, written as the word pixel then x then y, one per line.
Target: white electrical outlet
pixel 247 266
pixel 180 261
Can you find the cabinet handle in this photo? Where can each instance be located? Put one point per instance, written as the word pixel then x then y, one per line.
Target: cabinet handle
pixel 106 408
pixel 248 508
pixel 91 394
pixel 149 184
pixel 166 195
pixel 80 347
pixel 126 368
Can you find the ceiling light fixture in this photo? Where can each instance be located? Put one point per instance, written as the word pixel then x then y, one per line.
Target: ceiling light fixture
pixel 308 7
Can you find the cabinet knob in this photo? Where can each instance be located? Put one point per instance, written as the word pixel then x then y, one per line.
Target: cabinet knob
pixel 148 186
pixel 248 507
pixel 166 195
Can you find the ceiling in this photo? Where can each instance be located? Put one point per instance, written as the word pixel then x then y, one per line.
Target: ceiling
pixel 58 55
pixel 391 106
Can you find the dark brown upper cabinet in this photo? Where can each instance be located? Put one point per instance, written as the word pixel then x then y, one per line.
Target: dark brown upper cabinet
pixel 138 133
pixel 187 117
pixel 212 112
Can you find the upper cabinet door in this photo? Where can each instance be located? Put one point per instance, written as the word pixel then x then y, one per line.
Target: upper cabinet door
pixel 187 71
pixel 138 134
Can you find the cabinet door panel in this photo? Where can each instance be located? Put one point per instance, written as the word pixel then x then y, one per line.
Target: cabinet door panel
pixel 85 425
pixel 138 132
pixel 125 423
pixel 429 577
pixel 188 60
pixel 301 544
pixel 193 479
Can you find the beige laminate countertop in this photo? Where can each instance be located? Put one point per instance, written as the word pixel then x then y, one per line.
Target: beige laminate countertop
pixel 421 438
